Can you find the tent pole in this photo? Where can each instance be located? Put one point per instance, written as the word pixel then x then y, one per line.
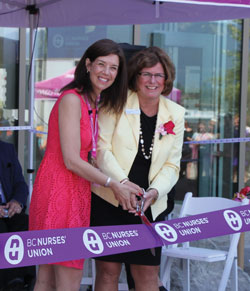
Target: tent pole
pixel 157 9
pixel 32 18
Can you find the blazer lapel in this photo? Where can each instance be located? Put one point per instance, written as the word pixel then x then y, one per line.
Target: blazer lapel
pixel 162 117
pixel 132 112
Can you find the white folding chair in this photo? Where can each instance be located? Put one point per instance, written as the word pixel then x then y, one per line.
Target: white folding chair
pixel 197 205
pixel 90 279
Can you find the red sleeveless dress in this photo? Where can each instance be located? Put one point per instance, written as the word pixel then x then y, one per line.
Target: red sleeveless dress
pixel 60 198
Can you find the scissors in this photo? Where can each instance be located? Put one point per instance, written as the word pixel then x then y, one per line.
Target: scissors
pixel 140 202
pixel 139 210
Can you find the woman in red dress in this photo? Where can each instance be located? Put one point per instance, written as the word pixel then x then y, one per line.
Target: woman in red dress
pixel 61 195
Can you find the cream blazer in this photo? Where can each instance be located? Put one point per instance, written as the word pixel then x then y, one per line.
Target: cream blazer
pixel 118 146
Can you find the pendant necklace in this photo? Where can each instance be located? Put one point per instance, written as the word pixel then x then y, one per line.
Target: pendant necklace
pixel 148 155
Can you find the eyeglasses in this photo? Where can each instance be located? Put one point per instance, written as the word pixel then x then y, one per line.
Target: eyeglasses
pixel 148 76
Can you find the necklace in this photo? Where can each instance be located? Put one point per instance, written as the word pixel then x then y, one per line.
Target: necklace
pixel 147 157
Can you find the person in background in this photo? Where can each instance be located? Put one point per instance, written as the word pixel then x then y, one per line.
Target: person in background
pixel 186 150
pixel 62 184
pixel 13 196
pixel 212 128
pixel 202 153
pixel 142 147
pixel 5 135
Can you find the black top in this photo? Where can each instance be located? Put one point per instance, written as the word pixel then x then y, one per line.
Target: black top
pixel 140 168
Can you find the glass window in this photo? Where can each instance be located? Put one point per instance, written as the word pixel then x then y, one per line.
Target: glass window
pixel 207 57
pixel 9 48
pixel 247 164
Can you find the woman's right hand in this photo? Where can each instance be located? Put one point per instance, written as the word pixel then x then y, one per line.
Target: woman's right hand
pixel 125 194
pixel 134 186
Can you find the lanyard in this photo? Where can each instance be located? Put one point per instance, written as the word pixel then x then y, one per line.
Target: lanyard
pixel 94 125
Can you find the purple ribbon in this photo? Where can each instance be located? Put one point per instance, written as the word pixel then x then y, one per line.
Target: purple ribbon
pixel 220 140
pixel 49 246
pixel 211 141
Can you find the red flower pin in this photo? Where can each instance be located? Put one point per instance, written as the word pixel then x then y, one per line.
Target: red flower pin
pixel 244 193
pixel 166 128
pixel 245 190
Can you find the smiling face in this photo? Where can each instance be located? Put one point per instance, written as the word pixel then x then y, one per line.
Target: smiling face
pixel 102 72
pixel 150 86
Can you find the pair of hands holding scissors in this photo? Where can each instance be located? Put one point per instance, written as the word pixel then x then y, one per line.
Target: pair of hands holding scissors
pixel 143 199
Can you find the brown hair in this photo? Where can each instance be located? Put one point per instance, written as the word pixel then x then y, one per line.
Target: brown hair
pixel 114 97
pixel 148 58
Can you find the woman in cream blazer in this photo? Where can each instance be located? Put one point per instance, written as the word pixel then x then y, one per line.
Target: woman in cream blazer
pixel 140 147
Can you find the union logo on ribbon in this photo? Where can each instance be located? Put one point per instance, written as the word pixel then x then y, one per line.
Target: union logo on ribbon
pixel 14 250
pixel 92 242
pixel 166 231
pixel 233 219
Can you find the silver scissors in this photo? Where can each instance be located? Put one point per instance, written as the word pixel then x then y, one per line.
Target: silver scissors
pixel 140 203
pixel 139 209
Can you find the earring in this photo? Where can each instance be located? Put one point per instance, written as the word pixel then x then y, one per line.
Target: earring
pixel 87 71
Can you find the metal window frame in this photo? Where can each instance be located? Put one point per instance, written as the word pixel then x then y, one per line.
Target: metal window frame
pixel 22 94
pixel 137 34
pixel 243 101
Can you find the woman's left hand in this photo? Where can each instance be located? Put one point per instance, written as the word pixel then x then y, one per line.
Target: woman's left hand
pixel 150 196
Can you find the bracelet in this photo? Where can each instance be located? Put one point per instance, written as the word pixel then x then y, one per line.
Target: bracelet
pixel 107 182
pixel 124 180
pixel 154 200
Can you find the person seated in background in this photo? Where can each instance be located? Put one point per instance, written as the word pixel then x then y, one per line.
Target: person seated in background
pixel 13 196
